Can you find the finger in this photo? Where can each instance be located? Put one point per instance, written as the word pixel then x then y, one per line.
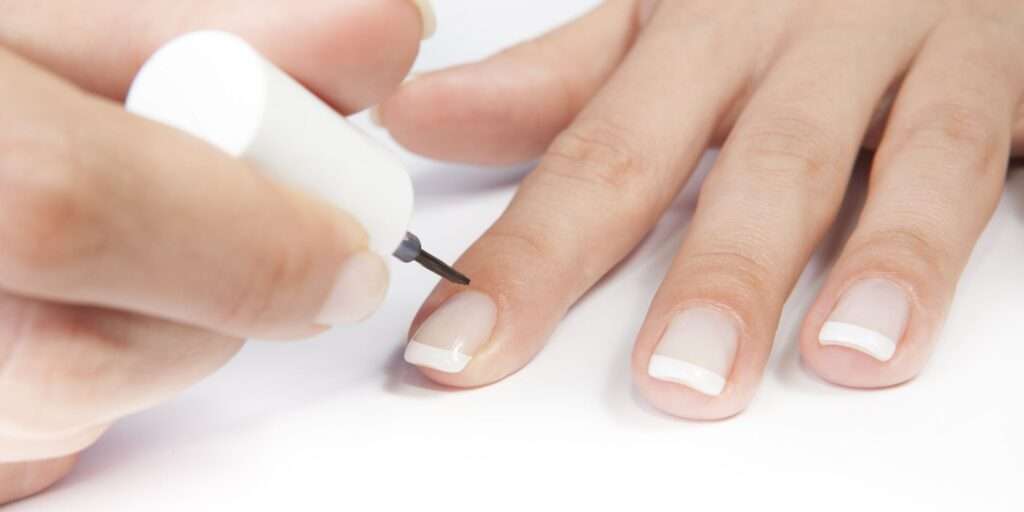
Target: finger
pixel 23 479
pixel 66 372
pixel 509 107
pixel 602 185
pixel 165 225
pixel 775 188
pixel 935 182
pixel 352 53
pixel 1018 134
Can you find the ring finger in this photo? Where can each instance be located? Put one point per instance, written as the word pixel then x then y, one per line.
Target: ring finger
pixel 935 182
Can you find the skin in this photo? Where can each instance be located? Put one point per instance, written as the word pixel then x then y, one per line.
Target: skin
pixel 792 91
pixel 121 282
pixel 91 326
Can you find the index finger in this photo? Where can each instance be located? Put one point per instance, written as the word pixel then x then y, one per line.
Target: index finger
pixel 165 225
pixel 352 53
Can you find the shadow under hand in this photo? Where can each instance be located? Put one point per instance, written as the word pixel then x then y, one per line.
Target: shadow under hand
pixel 404 379
pixel 443 182
pixel 1015 186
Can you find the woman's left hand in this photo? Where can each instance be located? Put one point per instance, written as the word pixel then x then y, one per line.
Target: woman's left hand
pixel 631 96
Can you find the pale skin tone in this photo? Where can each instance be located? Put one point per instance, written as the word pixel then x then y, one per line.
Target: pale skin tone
pixel 124 276
pixel 121 283
pixel 791 91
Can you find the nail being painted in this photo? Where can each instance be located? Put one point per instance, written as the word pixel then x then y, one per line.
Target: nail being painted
pixel 454 333
pixel 843 334
pixel 442 360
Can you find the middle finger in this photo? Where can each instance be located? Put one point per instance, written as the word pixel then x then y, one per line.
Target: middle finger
pixel 775 189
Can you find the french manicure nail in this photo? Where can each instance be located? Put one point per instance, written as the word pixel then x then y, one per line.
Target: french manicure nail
pixel 429 17
pixel 697 350
pixel 870 317
pixel 452 335
pixel 359 290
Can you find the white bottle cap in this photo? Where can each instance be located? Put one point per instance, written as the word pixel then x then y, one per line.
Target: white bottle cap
pixel 215 86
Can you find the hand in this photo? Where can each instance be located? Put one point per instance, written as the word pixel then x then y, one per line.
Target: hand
pixel 621 104
pixel 133 258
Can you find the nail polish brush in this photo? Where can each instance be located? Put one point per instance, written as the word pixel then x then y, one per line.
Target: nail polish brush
pixel 215 86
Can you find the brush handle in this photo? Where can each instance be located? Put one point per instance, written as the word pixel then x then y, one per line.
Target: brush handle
pixel 215 86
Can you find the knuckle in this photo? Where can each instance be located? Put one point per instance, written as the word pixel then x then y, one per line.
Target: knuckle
pixel 525 245
pixel 735 276
pixel 45 207
pixel 959 124
pixel 532 247
pixel 913 252
pixel 265 299
pixel 54 371
pixel 789 147
pixel 956 133
pixel 537 253
pixel 597 154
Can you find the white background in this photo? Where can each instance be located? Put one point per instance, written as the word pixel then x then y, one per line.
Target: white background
pixel 340 423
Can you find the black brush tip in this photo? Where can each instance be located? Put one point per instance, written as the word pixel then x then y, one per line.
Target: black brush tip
pixel 435 265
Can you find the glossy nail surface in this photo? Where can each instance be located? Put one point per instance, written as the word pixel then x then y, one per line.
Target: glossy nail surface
pixel 697 350
pixel 454 333
pixel 870 317
pixel 359 290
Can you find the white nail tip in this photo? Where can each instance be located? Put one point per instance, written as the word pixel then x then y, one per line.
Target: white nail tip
pixel 688 374
pixel 858 338
pixel 448 361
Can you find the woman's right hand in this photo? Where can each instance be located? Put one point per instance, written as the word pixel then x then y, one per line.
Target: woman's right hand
pixel 135 259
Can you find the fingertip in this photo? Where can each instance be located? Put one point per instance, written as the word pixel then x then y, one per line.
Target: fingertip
pixel 698 364
pixel 475 114
pixel 868 333
pixel 507 109
pixel 452 339
pixel 353 54
pixel 358 291
pixel 23 479
pixel 852 367
pixel 687 398
pixel 499 322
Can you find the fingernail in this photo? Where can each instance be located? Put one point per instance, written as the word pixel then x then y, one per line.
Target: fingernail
pixel 429 17
pixel 449 338
pixel 697 350
pixel 870 317
pixel 413 75
pixel 359 290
